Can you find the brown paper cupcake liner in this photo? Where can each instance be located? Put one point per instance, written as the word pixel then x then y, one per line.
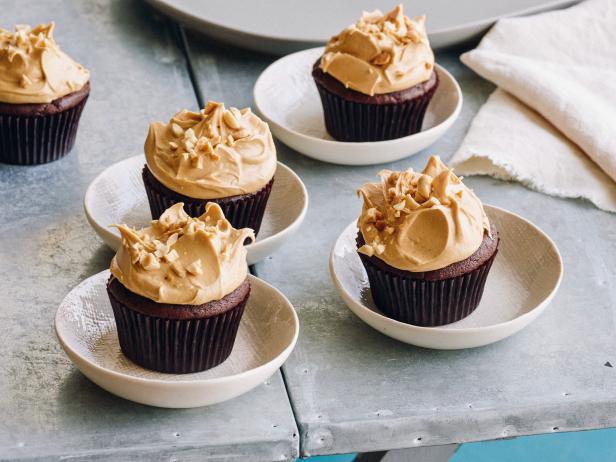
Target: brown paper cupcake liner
pixel 38 139
pixel 426 303
pixel 243 211
pixel 176 346
pixel 357 122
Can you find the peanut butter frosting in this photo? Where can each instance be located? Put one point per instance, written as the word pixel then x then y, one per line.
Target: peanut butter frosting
pixel 213 153
pixel 183 260
pixel 421 221
pixel 380 53
pixel 33 69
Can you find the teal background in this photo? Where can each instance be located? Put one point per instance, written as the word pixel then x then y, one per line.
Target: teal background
pixel 587 446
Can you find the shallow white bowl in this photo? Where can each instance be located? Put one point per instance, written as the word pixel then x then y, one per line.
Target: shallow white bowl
pixel 285 95
pixel 87 332
pixel 523 280
pixel 118 196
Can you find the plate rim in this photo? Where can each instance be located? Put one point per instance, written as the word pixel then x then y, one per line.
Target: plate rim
pixel 70 352
pixel 463 330
pixel 451 118
pixel 198 23
pixel 106 235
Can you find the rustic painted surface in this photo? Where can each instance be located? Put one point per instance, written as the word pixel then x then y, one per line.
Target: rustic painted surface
pixel 354 389
pixel 50 410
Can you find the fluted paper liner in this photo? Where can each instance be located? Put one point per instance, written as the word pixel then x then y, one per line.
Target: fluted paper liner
pixel 244 211
pixel 38 139
pixel 176 346
pixel 423 302
pixel 354 122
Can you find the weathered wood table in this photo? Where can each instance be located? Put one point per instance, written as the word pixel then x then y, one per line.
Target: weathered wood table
pixel 48 409
pixel 346 387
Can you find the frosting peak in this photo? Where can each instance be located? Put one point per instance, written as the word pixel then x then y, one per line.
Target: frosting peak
pixel 214 153
pixel 33 69
pixel 421 221
pixel 183 260
pixel 380 53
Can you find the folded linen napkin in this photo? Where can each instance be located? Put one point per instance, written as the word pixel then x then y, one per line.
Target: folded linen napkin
pixel 552 123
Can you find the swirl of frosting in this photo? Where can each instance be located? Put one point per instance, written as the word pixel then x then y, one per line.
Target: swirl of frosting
pixel 421 221
pixel 380 53
pixel 183 260
pixel 213 153
pixel 33 69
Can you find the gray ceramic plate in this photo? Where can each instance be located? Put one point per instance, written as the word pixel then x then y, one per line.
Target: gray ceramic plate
pixel 284 26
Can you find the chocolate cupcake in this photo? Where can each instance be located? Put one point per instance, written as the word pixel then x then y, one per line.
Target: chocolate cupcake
pixel 376 78
pixel 178 290
pixel 216 155
pixel 426 244
pixel 42 94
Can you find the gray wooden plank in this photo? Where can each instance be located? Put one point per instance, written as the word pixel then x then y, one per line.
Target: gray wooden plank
pixel 419 454
pixel 49 410
pixel 422 454
pixel 354 389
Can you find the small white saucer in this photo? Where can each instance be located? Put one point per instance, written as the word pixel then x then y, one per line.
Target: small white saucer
pixel 523 280
pixel 117 196
pixel 285 95
pixel 87 332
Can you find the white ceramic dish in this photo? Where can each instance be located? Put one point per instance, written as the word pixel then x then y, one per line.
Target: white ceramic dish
pixel 523 280
pixel 117 195
pixel 285 95
pixel 87 332
pixel 285 26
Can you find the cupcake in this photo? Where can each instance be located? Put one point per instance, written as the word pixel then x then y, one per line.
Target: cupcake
pixel 178 290
pixel 216 155
pixel 42 94
pixel 376 78
pixel 426 244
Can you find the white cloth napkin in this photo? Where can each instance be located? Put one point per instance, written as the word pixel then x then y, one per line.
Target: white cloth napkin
pixel 552 123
